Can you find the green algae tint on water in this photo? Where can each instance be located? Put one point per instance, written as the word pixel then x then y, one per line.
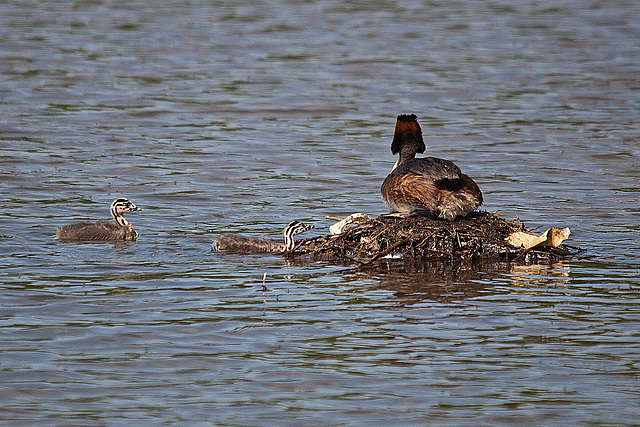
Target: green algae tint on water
pixel 242 116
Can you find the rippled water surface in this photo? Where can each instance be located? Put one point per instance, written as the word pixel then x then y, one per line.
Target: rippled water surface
pixel 240 116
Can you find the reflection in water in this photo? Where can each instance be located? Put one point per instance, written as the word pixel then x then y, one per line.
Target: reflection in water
pixel 443 281
pixel 553 274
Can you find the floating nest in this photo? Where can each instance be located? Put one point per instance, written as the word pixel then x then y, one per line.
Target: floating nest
pixel 416 241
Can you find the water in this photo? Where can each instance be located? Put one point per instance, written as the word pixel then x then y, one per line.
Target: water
pixel 240 116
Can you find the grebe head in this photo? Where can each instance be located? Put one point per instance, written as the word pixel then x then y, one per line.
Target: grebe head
pixel 121 206
pixel 292 229
pixel 407 139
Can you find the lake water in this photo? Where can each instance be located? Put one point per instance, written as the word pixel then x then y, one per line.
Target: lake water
pixel 241 116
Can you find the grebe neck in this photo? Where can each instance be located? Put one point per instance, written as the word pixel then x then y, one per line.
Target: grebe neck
pixel 292 229
pixel 118 217
pixel 119 207
pixel 406 153
pixel 407 138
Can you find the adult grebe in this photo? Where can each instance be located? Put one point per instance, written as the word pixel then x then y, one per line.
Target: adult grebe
pixel 120 229
pixel 430 185
pixel 253 245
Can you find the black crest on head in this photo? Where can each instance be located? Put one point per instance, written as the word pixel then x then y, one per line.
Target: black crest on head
pixel 408 117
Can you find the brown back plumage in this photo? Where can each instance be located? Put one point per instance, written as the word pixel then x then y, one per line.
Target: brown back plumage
pixel 97 231
pixel 237 243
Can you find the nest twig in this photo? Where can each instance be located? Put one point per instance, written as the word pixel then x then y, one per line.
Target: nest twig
pixel 416 240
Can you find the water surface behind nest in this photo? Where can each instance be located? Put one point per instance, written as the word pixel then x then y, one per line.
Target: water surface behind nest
pixel 240 116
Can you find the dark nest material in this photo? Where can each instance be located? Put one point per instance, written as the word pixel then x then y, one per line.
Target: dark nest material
pixel 418 240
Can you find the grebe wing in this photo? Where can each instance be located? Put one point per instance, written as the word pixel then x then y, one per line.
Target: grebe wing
pixel 430 168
